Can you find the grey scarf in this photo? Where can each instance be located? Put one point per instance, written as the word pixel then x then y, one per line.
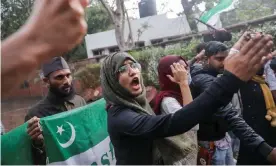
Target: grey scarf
pixel 173 149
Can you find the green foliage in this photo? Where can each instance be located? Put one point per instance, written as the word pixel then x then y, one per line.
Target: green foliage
pixel 247 10
pixel 149 58
pixel 13 15
pixel 97 20
pixel 89 76
pixel 267 27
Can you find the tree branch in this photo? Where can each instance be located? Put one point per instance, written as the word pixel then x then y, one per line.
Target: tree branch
pixel 109 10
pixel 130 35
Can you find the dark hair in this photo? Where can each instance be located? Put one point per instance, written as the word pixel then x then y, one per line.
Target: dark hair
pixel 200 47
pixel 214 47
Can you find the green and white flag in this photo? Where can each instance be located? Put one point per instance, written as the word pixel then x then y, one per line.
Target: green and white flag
pixel 76 137
pixel 16 147
pixel 212 16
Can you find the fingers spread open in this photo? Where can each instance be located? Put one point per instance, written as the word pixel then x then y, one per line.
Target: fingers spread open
pixel 263 52
pixel 249 45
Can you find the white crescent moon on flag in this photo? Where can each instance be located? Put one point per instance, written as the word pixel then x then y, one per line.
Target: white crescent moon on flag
pixel 71 140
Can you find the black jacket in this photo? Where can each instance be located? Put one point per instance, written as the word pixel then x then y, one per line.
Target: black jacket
pixel 254 111
pixel 133 133
pixel 215 126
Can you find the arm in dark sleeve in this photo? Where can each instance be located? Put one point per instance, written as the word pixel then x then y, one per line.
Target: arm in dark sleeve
pixel 192 61
pixel 135 124
pixel 203 81
pixel 243 131
pixel 235 122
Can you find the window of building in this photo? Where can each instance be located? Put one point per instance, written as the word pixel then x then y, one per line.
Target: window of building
pixel 156 41
pixel 97 52
pixel 114 49
pixel 175 37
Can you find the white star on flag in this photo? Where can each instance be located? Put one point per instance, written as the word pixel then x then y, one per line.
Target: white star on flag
pixel 60 129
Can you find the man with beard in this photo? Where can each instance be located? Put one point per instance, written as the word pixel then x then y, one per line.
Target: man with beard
pixel 212 135
pixel 61 97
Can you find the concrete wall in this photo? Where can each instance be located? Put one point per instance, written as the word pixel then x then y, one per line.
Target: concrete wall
pixel 160 27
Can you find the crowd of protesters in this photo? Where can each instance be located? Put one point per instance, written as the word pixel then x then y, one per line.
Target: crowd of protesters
pixel 204 107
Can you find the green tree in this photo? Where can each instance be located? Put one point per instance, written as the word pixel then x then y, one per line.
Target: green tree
pixel 247 10
pixel 14 14
pixel 119 16
pixel 97 20
pixel 190 8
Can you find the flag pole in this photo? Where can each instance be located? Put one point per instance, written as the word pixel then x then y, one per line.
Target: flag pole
pixel 208 25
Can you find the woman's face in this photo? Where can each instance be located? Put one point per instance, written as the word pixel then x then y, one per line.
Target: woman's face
pixel 130 77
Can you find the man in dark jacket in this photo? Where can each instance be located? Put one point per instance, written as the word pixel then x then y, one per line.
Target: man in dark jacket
pixel 254 111
pixel 214 128
pixel 61 97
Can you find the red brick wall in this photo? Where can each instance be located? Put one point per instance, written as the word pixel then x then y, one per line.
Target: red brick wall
pixel 15 105
pixel 36 90
pixel 12 119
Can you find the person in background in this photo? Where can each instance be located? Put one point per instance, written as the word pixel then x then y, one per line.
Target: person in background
pixel 213 131
pixel 273 65
pixel 270 75
pixel 137 133
pixel 257 100
pixel 41 38
pixel 172 97
pixel 220 35
pixel 61 97
pixel 212 134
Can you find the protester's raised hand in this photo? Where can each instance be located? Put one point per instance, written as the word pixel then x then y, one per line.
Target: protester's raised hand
pixel 252 56
pixel 242 40
pixel 58 25
pixel 34 130
pixel 200 56
pixel 180 74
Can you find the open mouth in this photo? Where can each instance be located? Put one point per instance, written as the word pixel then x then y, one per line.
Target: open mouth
pixel 135 83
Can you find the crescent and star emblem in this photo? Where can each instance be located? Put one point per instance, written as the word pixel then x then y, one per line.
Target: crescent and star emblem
pixel 72 138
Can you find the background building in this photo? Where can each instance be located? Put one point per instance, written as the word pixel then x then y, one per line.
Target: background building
pixel 159 28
